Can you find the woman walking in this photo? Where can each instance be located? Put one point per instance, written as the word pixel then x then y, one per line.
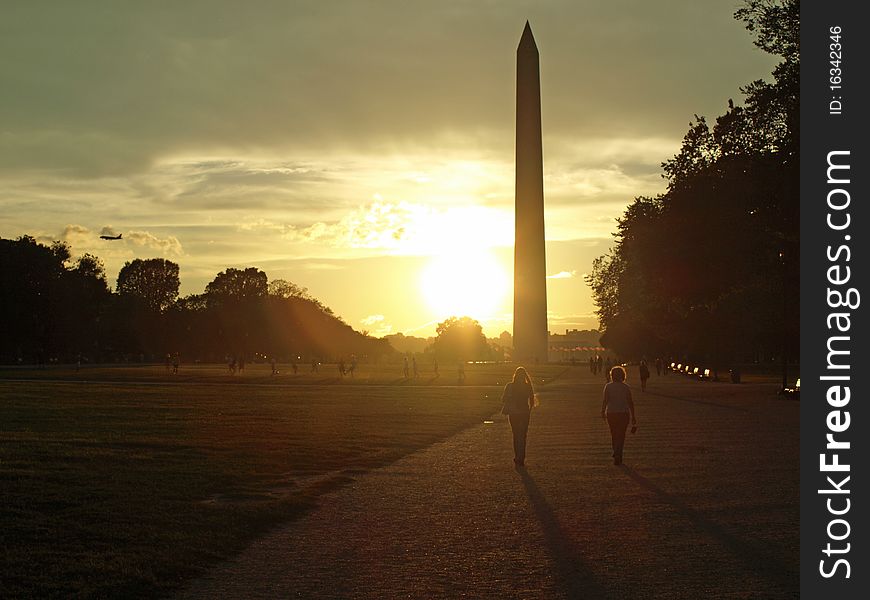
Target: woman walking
pixel 616 408
pixel 644 375
pixel 518 400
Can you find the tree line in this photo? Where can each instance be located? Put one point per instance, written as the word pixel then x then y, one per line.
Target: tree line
pixel 54 307
pixel 709 269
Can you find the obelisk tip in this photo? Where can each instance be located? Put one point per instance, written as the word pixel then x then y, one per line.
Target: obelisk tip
pixel 527 40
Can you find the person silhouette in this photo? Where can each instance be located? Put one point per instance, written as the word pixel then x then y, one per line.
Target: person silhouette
pixel 435 367
pixel 518 399
pixel 644 375
pixel 405 367
pixel 460 372
pixel 616 408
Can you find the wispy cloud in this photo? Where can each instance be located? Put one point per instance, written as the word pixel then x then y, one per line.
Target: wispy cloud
pixel 167 245
pixel 376 325
pixel 563 275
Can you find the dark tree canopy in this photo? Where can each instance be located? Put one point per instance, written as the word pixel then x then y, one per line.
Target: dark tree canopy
pixel 153 281
pixel 49 304
pixel 460 338
pixel 237 285
pixel 54 307
pixel 709 269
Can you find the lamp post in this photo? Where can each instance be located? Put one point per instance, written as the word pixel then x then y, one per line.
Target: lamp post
pixel 784 275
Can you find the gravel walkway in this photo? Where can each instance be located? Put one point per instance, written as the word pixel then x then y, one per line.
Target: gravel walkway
pixel 457 520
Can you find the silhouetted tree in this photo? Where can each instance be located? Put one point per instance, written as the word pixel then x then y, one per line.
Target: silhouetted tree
pixel 281 288
pixel 460 338
pixel 154 282
pixel 703 268
pixel 50 305
pixel 53 306
pixel 236 285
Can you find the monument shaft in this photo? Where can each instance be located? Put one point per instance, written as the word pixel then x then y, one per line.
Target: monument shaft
pixel 530 275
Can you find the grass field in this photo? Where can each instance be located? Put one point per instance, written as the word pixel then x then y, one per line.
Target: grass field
pixel 126 481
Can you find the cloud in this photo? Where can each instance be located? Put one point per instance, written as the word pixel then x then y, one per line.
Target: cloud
pixel 377 325
pixel 563 275
pixel 405 228
pixel 167 245
pixel 323 266
pixel 74 235
pixel 300 76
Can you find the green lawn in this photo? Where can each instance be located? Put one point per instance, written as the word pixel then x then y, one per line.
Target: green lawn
pixel 124 482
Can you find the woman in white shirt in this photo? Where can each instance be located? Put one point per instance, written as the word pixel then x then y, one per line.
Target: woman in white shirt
pixel 616 409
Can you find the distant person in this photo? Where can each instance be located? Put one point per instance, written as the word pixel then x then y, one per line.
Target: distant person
pixel 592 364
pixel 518 399
pixel 341 368
pixel 414 365
pixel 435 367
pixel 658 366
pixel 405 367
pixel 274 366
pixel 616 408
pixel 315 366
pixel 232 364
pixel 460 372
pixel 598 364
pixel 352 367
pixel 168 362
pixel 176 361
pixel 644 375
pixel 608 364
pixel 241 363
pixel 295 367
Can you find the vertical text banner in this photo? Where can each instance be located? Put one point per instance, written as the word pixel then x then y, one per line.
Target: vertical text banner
pixel 835 225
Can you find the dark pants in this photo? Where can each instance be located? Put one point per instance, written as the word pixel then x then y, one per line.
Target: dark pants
pixel 520 427
pixel 618 425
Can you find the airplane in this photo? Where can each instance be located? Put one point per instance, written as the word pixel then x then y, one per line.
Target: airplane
pixel 111 237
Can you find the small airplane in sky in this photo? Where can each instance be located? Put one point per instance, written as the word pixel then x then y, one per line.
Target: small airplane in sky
pixel 111 237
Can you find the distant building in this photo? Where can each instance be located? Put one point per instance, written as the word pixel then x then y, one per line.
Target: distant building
pixel 577 344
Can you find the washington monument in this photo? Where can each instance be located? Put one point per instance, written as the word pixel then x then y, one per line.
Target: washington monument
pixel 530 274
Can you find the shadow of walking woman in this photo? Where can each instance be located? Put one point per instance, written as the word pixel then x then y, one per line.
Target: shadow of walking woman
pixel 574 575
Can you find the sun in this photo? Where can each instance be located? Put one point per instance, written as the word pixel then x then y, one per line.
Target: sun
pixel 472 283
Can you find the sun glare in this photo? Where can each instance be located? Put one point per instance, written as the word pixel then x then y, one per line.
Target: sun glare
pixel 472 283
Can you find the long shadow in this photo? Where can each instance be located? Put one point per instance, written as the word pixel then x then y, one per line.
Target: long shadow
pixel 706 402
pixel 575 578
pixel 754 557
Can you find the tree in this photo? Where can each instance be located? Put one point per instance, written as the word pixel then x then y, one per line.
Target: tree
pixel 690 271
pixel 460 338
pixel 236 285
pixel 281 288
pixel 154 282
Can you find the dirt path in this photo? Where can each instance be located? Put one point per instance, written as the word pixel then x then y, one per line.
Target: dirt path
pixel 706 505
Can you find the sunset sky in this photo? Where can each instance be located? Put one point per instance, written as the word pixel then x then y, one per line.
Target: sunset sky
pixel 363 150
